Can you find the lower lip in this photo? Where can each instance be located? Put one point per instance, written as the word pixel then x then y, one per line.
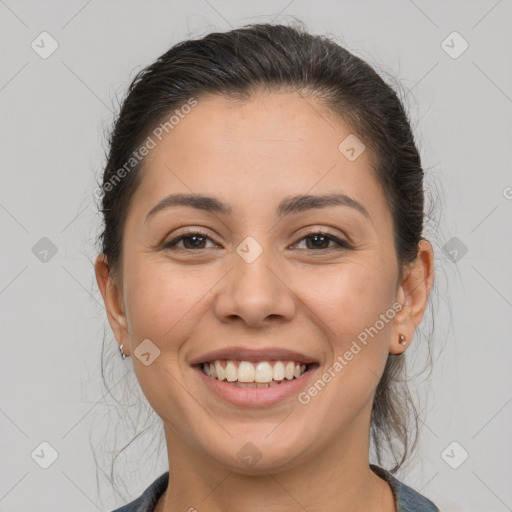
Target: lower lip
pixel 256 397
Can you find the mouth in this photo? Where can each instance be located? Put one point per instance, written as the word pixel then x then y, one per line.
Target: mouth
pixel 255 374
pixel 246 377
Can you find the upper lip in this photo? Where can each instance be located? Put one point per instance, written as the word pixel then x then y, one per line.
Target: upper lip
pixel 254 355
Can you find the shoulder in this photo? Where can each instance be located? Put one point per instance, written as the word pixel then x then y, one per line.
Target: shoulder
pixel 148 499
pixel 407 499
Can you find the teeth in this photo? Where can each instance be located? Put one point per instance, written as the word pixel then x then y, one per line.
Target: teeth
pixel 279 371
pixel 231 372
pixel 220 371
pixel 246 372
pixel 260 375
pixel 255 384
pixel 264 373
pixel 289 371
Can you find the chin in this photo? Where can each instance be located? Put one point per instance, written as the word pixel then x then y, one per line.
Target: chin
pixel 249 456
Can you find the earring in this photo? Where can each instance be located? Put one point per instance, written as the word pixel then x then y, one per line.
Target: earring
pixel 402 339
pixel 123 355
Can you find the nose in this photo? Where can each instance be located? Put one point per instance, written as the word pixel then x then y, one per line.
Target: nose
pixel 255 292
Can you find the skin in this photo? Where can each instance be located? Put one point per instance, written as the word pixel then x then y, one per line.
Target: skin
pixel 252 155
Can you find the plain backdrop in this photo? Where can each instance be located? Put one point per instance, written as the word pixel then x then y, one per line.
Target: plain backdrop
pixel 453 60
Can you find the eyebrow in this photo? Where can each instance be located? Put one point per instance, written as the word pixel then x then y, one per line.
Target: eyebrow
pixel 289 205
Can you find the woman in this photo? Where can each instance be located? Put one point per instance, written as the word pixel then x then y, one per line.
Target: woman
pixel 263 264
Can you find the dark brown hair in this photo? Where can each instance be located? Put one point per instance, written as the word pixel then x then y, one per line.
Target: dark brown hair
pixel 268 57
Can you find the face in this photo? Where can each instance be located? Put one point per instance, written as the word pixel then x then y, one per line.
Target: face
pixel 262 278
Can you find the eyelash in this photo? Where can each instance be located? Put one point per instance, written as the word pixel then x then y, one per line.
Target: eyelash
pixel 342 244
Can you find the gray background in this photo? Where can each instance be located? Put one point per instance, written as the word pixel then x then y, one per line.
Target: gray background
pixel 54 113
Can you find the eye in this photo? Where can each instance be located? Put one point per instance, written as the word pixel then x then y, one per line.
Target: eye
pixel 192 240
pixel 195 240
pixel 320 241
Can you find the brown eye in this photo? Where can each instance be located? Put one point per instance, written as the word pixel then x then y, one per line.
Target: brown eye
pixel 319 241
pixel 191 241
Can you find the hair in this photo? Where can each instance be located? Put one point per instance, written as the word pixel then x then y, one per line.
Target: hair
pixel 261 58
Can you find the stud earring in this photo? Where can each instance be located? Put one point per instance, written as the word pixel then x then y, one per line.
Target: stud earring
pixel 402 339
pixel 123 355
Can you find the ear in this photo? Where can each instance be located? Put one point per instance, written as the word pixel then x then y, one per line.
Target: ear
pixel 112 297
pixel 413 293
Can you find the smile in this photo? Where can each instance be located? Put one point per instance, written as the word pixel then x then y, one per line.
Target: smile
pixel 262 374
pixel 236 381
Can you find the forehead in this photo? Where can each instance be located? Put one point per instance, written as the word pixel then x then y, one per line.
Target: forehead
pixel 257 151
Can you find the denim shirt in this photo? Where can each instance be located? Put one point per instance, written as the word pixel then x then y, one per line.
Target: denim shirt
pixel 406 498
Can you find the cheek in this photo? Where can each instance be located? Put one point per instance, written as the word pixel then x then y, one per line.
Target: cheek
pixel 162 305
pixel 161 301
pixel 364 324
pixel 348 304
pixel 349 298
pixel 355 306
